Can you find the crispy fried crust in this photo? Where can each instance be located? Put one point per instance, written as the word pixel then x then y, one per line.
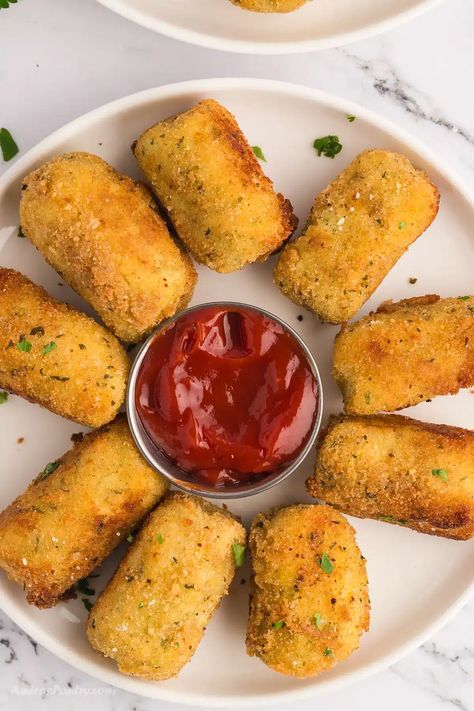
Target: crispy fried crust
pixel 399 470
pixel 67 522
pixel 207 177
pixel 304 620
pixel 153 613
pixel 101 231
pixel 269 5
pixel 405 353
pixel 74 367
pixel 357 230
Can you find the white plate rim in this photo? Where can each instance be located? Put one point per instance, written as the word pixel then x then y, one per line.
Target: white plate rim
pixel 251 47
pixel 323 98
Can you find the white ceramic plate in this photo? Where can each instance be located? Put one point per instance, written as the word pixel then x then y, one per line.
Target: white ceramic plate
pixel 416 581
pixel 319 24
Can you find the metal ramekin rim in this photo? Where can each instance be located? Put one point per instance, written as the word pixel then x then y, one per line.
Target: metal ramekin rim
pixel 194 488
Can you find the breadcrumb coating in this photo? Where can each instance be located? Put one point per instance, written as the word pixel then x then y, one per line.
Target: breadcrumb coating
pixel 309 600
pixel 398 470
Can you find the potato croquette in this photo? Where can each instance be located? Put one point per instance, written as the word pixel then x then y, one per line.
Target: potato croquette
pixel 101 231
pixel 270 5
pixel 55 356
pixel 152 615
pixel 76 511
pixel 405 353
pixel 399 470
pixel 309 601
pixel 357 230
pixel 208 179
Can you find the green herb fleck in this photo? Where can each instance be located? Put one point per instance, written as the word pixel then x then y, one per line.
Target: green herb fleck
pixel 83 587
pixel 7 143
pixel 326 564
pixel 239 554
pixel 351 118
pixel 20 233
pixel 391 519
pixel 464 298
pixel 3 397
pixel 318 620
pixel 441 473
pixel 412 280
pixel 328 652
pixel 87 604
pixel 159 538
pixel 278 625
pixel 402 224
pixel 140 605
pixel 82 347
pixel 259 153
pixel 61 378
pixel 24 345
pixel 48 348
pixel 130 537
pixel 49 469
pixel 328 146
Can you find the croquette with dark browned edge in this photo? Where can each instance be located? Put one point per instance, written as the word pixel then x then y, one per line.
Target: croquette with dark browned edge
pixel 357 230
pixel 398 470
pixel 405 353
pixel 208 179
pixel 309 600
pixel 76 511
pixel 102 232
pixel 56 356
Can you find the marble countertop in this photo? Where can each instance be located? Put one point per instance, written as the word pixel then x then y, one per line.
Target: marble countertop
pixel 58 61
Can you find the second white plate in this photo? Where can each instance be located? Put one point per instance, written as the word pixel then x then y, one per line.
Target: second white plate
pixel 319 24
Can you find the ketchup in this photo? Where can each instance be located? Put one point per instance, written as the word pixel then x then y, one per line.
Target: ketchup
pixel 227 394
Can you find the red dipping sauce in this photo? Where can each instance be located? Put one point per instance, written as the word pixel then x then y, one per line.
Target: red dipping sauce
pixel 227 394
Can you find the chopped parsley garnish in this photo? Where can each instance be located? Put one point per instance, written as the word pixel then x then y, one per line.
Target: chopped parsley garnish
pixel 351 118
pixel 83 587
pixel 20 233
pixel 49 469
pixel 464 298
pixel 239 554
pixel 87 604
pixel 441 473
pixel 402 224
pixel 391 519
pixel 259 153
pixel 328 652
pixel 24 345
pixel 318 620
pixel 159 538
pixel 279 624
pixel 140 605
pixel 326 564
pixel 61 378
pixel 3 397
pixel 412 280
pixel 7 143
pixel 130 537
pixel 49 347
pixel 328 146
